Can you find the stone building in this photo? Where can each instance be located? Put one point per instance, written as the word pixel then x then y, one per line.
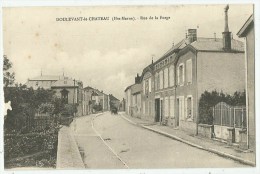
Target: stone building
pixel 70 91
pixel 172 85
pixel 247 31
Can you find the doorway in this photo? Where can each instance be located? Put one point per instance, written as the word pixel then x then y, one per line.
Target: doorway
pixel 157 110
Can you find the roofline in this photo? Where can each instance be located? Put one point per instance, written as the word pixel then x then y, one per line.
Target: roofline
pixel 41 80
pixel 64 86
pixel 128 87
pixel 244 28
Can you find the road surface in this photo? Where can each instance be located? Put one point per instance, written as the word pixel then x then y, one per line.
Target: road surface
pixel 110 142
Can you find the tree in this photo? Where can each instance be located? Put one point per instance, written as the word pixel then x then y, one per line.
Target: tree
pixel 9 77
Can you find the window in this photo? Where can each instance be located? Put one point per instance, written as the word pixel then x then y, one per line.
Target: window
pixel 181 74
pixel 171 107
pixel 189 71
pixel 166 105
pixel 161 79
pixel 150 84
pixel 166 81
pixel 146 87
pixel 156 80
pixel 171 75
pixel 189 109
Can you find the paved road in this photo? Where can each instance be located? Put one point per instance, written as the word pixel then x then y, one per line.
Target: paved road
pixel 111 142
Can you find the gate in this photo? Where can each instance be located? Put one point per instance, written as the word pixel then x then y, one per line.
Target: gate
pixel 231 116
pixel 228 121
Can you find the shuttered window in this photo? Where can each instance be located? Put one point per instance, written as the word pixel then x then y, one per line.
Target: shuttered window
pixel 189 71
pixel 166 80
pixel 171 75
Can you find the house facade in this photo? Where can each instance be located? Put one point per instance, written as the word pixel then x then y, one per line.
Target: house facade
pixel 70 91
pixel 247 31
pixel 172 85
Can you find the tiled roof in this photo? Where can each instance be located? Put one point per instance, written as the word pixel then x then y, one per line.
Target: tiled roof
pixel 179 45
pixel 248 24
pixel 65 83
pixel 47 77
pixel 212 44
pixel 136 88
pixel 111 97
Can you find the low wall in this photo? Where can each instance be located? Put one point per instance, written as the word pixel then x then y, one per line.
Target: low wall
pixel 205 130
pixel 68 155
pixel 188 126
pixel 221 132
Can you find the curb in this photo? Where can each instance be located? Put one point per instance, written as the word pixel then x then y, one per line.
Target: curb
pixel 68 155
pixel 223 154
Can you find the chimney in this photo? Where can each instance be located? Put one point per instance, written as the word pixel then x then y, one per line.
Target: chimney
pixel 226 34
pixel 192 35
pixel 137 79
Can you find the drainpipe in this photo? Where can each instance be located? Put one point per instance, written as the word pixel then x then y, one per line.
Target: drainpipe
pixel 247 109
pixel 196 75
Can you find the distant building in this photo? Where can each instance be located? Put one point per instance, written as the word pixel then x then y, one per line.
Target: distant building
pixel 68 89
pixel 122 105
pixel 248 32
pixel 114 102
pixel 43 81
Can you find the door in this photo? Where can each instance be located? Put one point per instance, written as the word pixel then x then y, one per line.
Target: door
pixel 157 110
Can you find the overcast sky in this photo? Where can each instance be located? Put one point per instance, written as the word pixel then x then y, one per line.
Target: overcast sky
pixel 104 54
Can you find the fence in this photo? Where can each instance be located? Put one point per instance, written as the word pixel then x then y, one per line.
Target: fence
pixel 231 116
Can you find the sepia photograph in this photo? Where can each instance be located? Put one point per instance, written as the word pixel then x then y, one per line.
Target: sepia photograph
pixel 168 86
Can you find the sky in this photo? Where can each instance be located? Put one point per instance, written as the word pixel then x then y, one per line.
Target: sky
pixel 105 54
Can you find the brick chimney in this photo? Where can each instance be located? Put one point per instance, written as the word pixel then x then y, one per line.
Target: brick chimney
pixel 192 35
pixel 137 79
pixel 226 34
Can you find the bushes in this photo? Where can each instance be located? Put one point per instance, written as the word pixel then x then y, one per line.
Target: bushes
pixel 210 99
pixel 26 144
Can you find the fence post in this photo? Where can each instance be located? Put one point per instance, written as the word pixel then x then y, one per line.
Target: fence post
pixel 230 117
pixel 213 114
pixel 234 117
pixel 242 123
pixel 221 113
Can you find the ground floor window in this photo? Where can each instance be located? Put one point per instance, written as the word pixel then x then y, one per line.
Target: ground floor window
pixel 189 108
pixel 172 106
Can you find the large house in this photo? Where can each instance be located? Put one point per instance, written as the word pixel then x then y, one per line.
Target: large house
pixel 68 89
pixel 172 85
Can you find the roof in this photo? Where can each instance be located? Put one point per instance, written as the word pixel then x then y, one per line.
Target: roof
pixel 47 78
pixel 212 44
pixel 111 97
pixel 176 47
pixel 65 83
pixel 128 87
pixel 136 88
pixel 244 29
pixel 88 87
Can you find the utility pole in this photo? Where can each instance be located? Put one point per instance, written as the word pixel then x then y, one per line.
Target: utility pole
pixel 74 97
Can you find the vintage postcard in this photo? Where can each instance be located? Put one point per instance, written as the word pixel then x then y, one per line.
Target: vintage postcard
pixel 168 86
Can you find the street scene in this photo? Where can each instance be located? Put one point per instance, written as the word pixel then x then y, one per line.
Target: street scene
pixel 129 87
pixel 104 146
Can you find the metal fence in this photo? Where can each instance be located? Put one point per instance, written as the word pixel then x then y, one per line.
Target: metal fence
pixel 231 116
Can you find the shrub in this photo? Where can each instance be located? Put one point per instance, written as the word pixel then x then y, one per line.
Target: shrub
pixel 209 99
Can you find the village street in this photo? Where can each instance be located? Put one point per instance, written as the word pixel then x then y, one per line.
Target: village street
pixel 109 141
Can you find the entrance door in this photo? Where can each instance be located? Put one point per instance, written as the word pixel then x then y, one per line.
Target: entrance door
pixel 157 110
